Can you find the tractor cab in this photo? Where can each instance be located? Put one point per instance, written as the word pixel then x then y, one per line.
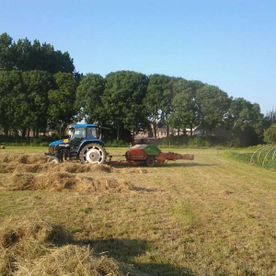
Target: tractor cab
pixel 84 131
pixel 84 143
pixel 80 134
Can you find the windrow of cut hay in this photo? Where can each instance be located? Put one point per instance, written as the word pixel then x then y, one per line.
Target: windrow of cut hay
pixel 37 247
pixel 59 181
pixel 23 158
pixel 33 172
pixel 36 163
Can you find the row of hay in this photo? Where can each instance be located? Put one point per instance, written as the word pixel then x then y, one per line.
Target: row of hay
pixel 38 163
pixel 23 158
pixel 67 167
pixel 33 172
pixel 59 181
pixel 10 167
pixel 36 247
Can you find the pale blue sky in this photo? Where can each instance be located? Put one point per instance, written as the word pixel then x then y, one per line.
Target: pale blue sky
pixel 228 43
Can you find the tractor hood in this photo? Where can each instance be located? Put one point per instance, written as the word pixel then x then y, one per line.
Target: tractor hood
pixel 58 142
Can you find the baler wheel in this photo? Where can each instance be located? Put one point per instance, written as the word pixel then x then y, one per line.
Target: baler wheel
pixel 150 161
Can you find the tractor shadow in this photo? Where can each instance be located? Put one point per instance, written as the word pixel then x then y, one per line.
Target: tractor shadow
pixel 126 250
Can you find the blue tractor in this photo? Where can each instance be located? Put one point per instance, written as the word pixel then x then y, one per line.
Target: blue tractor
pixel 84 144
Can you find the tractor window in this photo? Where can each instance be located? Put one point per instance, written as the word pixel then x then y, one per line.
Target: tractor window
pixel 92 132
pixel 79 133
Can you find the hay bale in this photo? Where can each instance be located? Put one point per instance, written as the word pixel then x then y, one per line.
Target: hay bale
pixel 2 146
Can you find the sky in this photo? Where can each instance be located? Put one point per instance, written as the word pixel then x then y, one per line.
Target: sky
pixel 227 43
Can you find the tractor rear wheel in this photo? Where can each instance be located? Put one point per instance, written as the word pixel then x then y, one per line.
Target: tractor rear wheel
pixel 92 153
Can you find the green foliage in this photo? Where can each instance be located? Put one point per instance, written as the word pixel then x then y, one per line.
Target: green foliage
pixel 62 101
pixel 116 143
pixel 88 98
pixel 240 156
pixel 158 100
pixel 36 87
pixel 264 156
pixel 185 110
pixel 25 55
pixel 214 105
pixel 123 101
pixel 246 121
pixel 192 141
pixel 13 101
pixel 270 135
pixel 270 118
pixel 26 141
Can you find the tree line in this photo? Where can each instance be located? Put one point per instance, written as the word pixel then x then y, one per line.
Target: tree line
pixel 129 102
pixel 40 90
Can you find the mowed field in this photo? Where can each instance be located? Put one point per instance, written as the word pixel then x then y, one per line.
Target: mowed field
pixel 210 216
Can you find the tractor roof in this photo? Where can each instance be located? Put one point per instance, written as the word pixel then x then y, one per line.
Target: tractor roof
pixel 84 125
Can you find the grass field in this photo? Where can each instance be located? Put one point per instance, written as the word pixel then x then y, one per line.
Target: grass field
pixel 210 216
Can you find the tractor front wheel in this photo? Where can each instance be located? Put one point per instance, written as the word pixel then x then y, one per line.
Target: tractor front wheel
pixel 93 154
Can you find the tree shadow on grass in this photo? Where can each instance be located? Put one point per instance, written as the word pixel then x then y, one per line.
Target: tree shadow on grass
pixel 192 164
pixel 163 269
pixel 125 250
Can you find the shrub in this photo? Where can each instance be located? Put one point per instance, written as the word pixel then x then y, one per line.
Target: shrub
pixel 270 135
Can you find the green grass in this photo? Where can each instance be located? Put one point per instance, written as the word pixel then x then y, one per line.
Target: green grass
pixel 211 216
pixel 24 149
pixel 263 158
